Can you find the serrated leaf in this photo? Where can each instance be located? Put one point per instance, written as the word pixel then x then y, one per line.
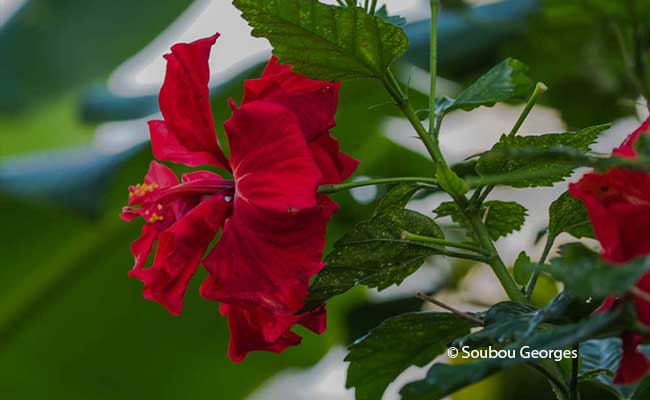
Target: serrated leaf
pixel 443 380
pixel 398 196
pixel 382 13
pixel 498 161
pixel 501 217
pixel 399 342
pixel 523 268
pixel 568 214
pixel 586 275
pixel 507 82
pixel 450 182
pixel 508 321
pixel 373 254
pixel 325 42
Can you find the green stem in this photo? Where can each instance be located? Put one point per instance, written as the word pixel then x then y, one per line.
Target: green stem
pixel 426 239
pixel 430 142
pixel 328 189
pixel 494 260
pixel 574 375
pixel 433 66
pixel 533 279
pixel 540 89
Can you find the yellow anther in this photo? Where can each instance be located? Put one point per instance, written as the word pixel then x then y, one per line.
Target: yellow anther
pixel 142 188
pixel 155 218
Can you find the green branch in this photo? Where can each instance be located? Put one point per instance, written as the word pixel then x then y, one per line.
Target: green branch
pixel 328 189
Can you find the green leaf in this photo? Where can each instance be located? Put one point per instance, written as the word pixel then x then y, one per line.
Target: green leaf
pixel 586 275
pixel 443 380
pixel 508 321
pixel 498 159
pixel 507 82
pixel 501 217
pixel 325 42
pixel 599 359
pixel 398 196
pixel 382 13
pixel 373 254
pixel 642 392
pixel 568 214
pixel 450 182
pixel 642 145
pixel 399 342
pixel 523 268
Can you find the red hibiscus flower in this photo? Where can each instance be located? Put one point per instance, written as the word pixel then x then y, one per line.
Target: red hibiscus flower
pixel 271 217
pixel 618 203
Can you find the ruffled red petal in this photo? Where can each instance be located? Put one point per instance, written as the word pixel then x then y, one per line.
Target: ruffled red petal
pixel 179 253
pixel 634 364
pixel 187 133
pixel 618 203
pixel 314 102
pixel 271 162
pixel 335 166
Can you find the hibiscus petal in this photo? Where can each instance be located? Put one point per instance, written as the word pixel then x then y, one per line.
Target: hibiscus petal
pixel 634 365
pixel 272 164
pixel 335 166
pixel 606 226
pixel 187 133
pixel 247 335
pixel 179 253
pixel 165 146
pixel 141 248
pixel 263 263
pixel 314 102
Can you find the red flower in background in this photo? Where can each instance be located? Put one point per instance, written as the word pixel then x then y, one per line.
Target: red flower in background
pixel 273 221
pixel 618 203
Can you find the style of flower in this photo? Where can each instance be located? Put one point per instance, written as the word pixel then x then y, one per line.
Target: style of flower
pixel 272 219
pixel 618 203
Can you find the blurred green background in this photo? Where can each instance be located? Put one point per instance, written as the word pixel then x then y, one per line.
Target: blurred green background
pixel 72 325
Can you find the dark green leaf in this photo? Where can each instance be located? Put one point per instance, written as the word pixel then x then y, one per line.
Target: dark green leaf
pixel 642 392
pixel 498 160
pixel 568 214
pixel 374 255
pixel 599 359
pixel 586 275
pixel 399 342
pixel 325 42
pixel 501 217
pixel 397 197
pixel 523 268
pixel 442 379
pixel 508 321
pixel 507 82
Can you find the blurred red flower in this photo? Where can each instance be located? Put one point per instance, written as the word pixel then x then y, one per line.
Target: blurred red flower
pixel 272 219
pixel 618 203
